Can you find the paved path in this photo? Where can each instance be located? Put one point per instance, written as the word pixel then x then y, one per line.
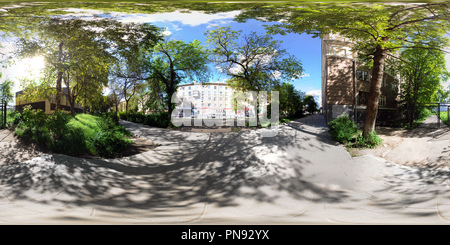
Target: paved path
pixel 297 177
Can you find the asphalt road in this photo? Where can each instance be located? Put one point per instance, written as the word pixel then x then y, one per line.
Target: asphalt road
pixel 299 176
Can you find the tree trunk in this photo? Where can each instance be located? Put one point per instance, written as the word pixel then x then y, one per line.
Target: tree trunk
pixel 72 108
pixel 59 81
pixel 58 91
pixel 375 90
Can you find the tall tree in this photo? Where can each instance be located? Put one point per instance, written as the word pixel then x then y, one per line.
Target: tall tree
pixel 62 42
pixel 378 31
pixel 253 62
pixel 174 61
pixel 291 100
pixel 6 96
pixel 131 46
pixel 422 71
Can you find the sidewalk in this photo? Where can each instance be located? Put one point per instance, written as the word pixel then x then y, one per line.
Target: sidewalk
pixel 298 177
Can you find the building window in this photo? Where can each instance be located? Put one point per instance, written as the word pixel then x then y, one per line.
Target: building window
pixel 215 87
pixel 189 87
pixel 383 84
pixel 382 100
pixel 363 75
pixel 189 93
pixel 362 98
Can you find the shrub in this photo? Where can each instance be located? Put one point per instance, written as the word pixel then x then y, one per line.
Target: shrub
pixel 109 139
pixel 342 129
pixel 32 125
pixel 371 141
pixel 111 116
pixel 57 124
pixel 160 120
pixel 13 118
pixel 60 133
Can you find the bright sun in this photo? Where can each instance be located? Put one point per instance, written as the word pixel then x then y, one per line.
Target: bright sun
pixel 32 67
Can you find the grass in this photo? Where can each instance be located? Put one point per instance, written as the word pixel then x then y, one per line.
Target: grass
pixel 444 118
pixel 87 123
pixel 83 135
pixel 101 138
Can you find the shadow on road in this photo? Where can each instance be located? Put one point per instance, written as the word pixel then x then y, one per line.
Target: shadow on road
pixel 186 169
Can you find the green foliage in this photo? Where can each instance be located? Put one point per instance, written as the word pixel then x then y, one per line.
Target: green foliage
pixel 84 134
pixel 372 141
pixel 311 104
pixel 342 129
pixel 160 120
pixel 108 140
pixel 254 62
pixel 174 61
pixel 291 103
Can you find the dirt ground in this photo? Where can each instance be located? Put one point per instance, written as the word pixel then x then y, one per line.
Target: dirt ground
pixel 425 146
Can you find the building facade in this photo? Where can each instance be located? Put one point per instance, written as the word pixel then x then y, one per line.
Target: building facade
pixel 210 100
pixel 48 105
pixel 346 84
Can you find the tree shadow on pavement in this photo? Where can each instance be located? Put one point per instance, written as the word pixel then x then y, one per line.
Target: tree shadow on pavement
pixel 186 169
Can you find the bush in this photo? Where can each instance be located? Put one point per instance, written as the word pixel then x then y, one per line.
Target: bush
pixel 342 129
pixel 109 139
pixel 372 141
pixel 32 125
pixel 85 134
pixel 160 120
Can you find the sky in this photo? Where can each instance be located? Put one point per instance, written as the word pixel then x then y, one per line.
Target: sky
pixel 193 25
pixel 190 26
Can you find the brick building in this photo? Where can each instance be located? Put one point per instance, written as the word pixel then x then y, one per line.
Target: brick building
pixel 346 83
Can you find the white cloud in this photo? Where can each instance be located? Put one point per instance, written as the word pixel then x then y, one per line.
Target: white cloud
pixel 317 94
pixel 166 32
pixel 194 18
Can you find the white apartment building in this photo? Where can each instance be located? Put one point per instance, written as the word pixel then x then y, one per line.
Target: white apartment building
pixel 209 100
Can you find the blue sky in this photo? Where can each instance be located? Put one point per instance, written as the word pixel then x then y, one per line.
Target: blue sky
pixel 190 26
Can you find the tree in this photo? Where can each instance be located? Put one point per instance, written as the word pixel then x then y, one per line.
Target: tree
pixel 442 95
pixel 132 45
pixel 422 71
pixel 254 62
pixel 6 96
pixel 311 104
pixel 70 47
pixel 153 98
pixel 174 61
pixel 291 100
pixel 378 30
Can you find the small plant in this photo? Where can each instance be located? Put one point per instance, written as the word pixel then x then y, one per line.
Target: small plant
pixel 372 141
pixel 342 129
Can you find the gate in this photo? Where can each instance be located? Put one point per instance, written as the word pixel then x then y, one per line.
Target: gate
pixel 434 120
pixel 2 113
